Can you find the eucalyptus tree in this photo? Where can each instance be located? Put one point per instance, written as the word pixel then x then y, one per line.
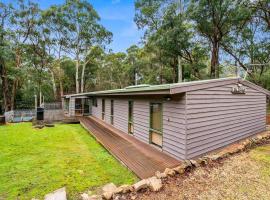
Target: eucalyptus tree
pixel 250 46
pixel 21 25
pixel 171 34
pixel 54 20
pixel 5 12
pixel 214 20
pixel 84 30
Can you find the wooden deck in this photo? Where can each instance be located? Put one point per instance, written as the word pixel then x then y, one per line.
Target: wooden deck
pixel 143 159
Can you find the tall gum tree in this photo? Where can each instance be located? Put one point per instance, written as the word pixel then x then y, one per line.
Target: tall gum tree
pixel 84 31
pixel 214 20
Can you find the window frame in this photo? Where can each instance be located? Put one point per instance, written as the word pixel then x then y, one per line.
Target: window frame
pixel 112 112
pixel 131 117
pixel 160 132
pixel 103 109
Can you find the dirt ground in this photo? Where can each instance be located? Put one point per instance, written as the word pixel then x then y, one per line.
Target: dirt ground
pixel 243 176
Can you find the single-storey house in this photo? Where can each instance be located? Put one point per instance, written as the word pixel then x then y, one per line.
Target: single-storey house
pixel 184 120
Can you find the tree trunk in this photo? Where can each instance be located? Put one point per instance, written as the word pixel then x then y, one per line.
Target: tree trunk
pixel 214 71
pixel 13 95
pixel 61 92
pixel 4 83
pixel 82 78
pixel 54 85
pixel 77 75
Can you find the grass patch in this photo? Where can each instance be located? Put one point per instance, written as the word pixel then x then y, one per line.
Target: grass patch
pixel 262 156
pixel 36 162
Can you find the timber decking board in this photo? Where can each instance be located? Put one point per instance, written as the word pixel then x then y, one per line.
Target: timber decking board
pixel 143 159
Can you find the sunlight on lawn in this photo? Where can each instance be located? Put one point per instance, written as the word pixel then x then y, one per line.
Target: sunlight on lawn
pixel 35 162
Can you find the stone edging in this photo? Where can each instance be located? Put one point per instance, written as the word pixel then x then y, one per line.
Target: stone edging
pixel 110 191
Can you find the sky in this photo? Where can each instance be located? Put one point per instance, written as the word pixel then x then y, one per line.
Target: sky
pixel 117 16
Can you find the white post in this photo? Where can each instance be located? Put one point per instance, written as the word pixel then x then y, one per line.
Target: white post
pixel 40 98
pixel 35 102
pixel 180 75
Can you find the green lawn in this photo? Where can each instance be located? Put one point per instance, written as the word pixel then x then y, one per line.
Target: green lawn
pixel 36 162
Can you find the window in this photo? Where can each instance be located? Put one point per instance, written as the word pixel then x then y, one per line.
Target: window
pixel 112 111
pixel 103 109
pixel 130 117
pixel 155 132
pixel 94 101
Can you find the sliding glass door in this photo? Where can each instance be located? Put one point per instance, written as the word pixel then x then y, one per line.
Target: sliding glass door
pixel 155 132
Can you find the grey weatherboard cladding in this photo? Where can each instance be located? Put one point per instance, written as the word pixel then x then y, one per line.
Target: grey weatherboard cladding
pixel 197 118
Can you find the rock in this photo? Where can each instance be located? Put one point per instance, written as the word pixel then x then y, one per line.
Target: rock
pixel 108 190
pixel 107 195
pixel 160 175
pixel 194 163
pixel 110 187
pixel 133 197
pixel 39 126
pixel 155 184
pixel 124 189
pixel 85 196
pixel 59 194
pixel 95 197
pixel 169 172
pixel 180 169
pixel 140 185
pixel 213 157
pixel 49 125
pixel 202 161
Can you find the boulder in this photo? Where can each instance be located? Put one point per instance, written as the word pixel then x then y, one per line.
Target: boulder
pixel 110 187
pixel 155 184
pixel 160 175
pixel 194 163
pixel 202 161
pixel 49 125
pixel 140 185
pixel 95 197
pixel 180 169
pixel 59 194
pixel 124 189
pixel 39 126
pixel 108 190
pixel 85 196
pixel 107 195
pixel 169 172
pixel 133 197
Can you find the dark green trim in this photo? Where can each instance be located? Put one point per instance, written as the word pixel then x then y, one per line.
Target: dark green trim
pixel 112 112
pixel 130 116
pixel 103 109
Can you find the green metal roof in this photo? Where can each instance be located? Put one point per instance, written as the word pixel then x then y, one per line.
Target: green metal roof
pixel 156 89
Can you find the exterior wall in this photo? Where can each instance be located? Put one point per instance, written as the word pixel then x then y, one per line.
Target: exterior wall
pixel 174 128
pixel 173 121
pixel 216 117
